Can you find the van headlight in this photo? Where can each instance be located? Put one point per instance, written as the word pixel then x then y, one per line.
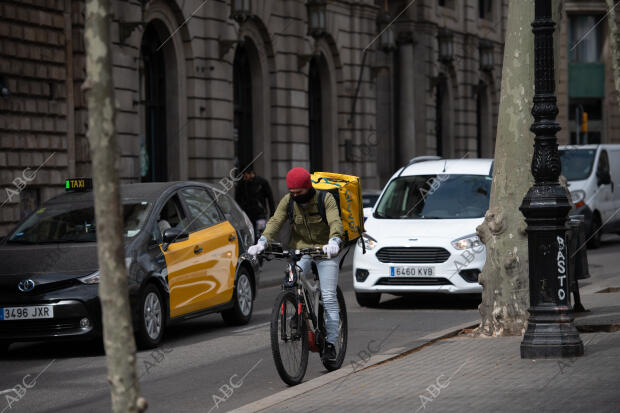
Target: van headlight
pixel 368 240
pixel 578 197
pixel 468 241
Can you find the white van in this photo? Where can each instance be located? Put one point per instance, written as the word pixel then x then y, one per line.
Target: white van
pixel 593 174
pixel 421 235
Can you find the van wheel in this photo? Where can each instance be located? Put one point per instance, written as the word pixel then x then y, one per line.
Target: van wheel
pixel 368 299
pixel 595 232
pixel 151 315
pixel 243 301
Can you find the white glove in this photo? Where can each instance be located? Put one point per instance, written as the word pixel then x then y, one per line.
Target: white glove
pixel 259 247
pixel 332 248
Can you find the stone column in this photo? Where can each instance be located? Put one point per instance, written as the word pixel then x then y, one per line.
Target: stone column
pixel 407 107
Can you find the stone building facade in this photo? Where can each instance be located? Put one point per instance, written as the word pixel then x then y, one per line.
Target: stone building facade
pixel 586 79
pixel 200 95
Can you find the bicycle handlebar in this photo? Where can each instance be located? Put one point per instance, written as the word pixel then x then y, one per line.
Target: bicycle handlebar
pixel 297 254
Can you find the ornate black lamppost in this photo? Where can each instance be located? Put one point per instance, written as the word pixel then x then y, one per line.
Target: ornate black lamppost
pixel 550 331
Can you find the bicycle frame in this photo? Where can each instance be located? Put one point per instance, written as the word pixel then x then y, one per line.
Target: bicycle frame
pixel 307 292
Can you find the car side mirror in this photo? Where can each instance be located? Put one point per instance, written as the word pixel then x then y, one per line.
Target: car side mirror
pixel 172 235
pixel 603 178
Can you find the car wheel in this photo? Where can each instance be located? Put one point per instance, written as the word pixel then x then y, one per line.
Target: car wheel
pixel 243 301
pixel 595 232
pixel 151 316
pixel 368 299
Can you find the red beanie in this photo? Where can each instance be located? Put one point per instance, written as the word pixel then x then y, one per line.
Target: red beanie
pixel 298 178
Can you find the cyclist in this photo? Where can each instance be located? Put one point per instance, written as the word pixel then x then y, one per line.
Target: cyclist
pixel 308 230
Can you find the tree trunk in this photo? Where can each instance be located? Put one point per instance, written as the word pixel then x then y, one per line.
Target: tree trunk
pixel 505 280
pixel 118 336
pixel 613 45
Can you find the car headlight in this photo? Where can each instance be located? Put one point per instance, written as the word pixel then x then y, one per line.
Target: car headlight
pixel 468 241
pixel 91 279
pixel 95 277
pixel 368 240
pixel 578 197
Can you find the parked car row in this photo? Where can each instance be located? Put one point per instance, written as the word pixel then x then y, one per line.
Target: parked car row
pixel 421 232
pixel 592 172
pixel 185 248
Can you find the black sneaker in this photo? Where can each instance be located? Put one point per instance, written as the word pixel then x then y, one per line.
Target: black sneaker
pixel 330 352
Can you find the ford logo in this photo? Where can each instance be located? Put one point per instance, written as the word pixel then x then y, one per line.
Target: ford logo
pixel 25 286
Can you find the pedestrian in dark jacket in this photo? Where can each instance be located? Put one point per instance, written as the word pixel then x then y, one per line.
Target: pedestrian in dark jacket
pixel 254 196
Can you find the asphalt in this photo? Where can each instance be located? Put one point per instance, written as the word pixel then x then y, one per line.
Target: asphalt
pixel 456 371
pixel 202 356
pixel 206 366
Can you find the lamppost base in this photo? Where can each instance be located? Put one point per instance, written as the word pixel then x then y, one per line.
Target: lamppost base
pixel 551 340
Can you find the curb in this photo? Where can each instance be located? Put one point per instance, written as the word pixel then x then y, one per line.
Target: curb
pixel 327 378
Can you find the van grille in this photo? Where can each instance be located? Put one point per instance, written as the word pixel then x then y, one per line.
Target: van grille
pixel 413 255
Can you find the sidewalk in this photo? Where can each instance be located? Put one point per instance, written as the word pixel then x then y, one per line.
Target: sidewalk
pixel 477 374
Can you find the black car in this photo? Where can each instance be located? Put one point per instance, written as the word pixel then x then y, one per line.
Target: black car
pixel 185 247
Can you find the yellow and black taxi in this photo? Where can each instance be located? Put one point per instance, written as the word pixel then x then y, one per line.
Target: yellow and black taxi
pixel 185 248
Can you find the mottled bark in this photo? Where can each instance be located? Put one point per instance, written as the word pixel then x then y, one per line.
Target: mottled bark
pixel 118 336
pixel 613 45
pixel 505 297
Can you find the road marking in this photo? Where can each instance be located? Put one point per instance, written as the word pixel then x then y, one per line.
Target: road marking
pixel 252 327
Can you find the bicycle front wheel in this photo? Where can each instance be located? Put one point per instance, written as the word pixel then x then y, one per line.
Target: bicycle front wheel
pixel 289 339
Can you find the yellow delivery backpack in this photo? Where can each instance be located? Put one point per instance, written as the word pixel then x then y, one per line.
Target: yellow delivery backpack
pixel 347 191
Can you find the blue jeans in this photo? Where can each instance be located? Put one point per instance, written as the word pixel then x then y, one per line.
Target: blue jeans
pixel 328 276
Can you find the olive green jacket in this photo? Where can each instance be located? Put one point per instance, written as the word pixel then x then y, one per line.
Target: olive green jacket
pixel 308 229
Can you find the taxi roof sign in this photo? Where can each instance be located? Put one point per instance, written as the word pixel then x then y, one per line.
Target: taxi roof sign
pixel 79 184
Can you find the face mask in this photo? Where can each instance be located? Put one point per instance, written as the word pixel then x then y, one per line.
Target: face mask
pixel 302 199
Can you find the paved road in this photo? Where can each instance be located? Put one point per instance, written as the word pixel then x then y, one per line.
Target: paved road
pixel 202 355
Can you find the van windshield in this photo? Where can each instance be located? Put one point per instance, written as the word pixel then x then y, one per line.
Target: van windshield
pixel 577 163
pixel 435 197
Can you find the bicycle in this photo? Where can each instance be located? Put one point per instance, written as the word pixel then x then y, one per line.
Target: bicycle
pixel 298 318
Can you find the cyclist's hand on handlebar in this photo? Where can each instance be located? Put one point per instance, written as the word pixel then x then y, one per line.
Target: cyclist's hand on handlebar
pixel 259 247
pixel 332 248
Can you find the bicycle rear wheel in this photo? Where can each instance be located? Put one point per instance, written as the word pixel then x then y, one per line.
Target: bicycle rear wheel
pixel 343 329
pixel 289 341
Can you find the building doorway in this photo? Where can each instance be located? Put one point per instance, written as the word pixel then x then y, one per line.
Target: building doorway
pixel 153 148
pixel 243 122
pixel 443 119
pixel 315 109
